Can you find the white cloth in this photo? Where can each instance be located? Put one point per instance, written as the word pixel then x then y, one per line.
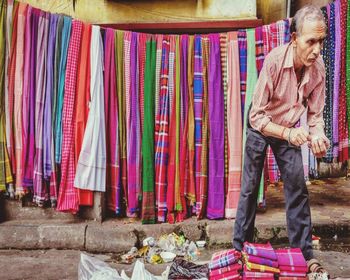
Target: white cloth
pixel 91 167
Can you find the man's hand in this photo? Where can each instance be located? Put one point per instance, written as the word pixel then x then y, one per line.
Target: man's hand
pixel 319 145
pixel 298 136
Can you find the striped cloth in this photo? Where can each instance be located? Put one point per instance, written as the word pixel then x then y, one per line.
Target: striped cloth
pixel 224 258
pixel 28 116
pixel 260 268
pixel 259 48
pixel 171 171
pixel 259 260
pixel 234 128
pixel 219 271
pixel 293 268
pixel 290 257
pixel 148 201
pixel 343 126
pixel 256 275
pixel 162 133
pixel 82 105
pixel 292 274
pixel 216 164
pixel 230 275
pixel 6 24
pixel 111 120
pixel 242 44
pixel 5 173
pixel 119 52
pixel 190 190
pixel 68 195
pixel 293 278
pixel 40 194
pixel 48 161
pixel 336 82
pixel 141 60
pixel 18 88
pixel 260 250
pixel 224 62
pixel 184 126
pixel 9 103
pixel 203 182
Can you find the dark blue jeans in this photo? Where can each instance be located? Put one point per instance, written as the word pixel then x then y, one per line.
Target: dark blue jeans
pixel 290 163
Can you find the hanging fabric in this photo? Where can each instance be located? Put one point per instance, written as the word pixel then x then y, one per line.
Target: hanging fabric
pixel 242 44
pixel 162 134
pixel 91 167
pixel 234 130
pixel 111 120
pixel 148 195
pixel 216 163
pixel 68 195
pixel 119 51
pixel 82 105
pixel 40 194
pixel 190 188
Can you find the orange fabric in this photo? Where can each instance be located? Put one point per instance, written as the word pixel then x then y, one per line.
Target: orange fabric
pixel 86 197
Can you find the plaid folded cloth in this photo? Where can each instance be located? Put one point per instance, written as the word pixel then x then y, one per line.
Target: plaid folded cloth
pixel 231 275
pixel 292 274
pixel 260 268
pixel 224 258
pixel 259 260
pixel 293 268
pixel 260 250
pixel 252 274
pixel 254 278
pixel 293 278
pixel 219 271
pixel 290 257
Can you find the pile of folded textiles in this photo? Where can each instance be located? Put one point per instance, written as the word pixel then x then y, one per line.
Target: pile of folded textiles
pixel 292 264
pixel 260 261
pixel 225 265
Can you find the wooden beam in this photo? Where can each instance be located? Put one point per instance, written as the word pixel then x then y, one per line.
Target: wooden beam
pixel 187 27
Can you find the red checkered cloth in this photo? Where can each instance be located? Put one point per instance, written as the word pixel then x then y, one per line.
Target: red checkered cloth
pixel 293 278
pixel 254 275
pixel 291 257
pixel 224 258
pixel 260 250
pixel 292 274
pixel 220 271
pixel 227 276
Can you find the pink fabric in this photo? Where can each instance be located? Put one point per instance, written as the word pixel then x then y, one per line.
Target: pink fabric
pixel 260 250
pixel 293 268
pixel 290 257
pixel 68 199
pixel 226 276
pixel 292 274
pixel 234 128
pixel 220 271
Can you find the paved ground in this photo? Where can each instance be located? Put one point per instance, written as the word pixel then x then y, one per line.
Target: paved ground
pixel 63 264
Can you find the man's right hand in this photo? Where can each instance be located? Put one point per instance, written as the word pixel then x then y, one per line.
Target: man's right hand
pixel 297 136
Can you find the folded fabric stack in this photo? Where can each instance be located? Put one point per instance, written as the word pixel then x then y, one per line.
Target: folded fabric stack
pixel 260 261
pixel 225 265
pixel 292 264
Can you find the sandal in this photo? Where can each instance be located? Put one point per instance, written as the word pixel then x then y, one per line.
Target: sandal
pixel 314 266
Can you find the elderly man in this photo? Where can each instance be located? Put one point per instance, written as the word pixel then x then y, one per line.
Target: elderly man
pixel 292 81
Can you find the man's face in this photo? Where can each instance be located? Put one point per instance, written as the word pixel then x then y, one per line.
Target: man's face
pixel 309 43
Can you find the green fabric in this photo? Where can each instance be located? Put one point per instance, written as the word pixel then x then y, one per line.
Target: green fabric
pixel 252 78
pixel 148 201
pixel 2 96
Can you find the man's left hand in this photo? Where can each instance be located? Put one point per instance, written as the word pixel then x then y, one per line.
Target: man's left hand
pixel 319 145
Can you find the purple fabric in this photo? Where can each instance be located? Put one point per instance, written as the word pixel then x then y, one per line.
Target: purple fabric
pixel 260 250
pixel 47 133
pixel 216 165
pixel 336 80
pixel 262 261
pixel 184 84
pixel 26 90
pixel 29 151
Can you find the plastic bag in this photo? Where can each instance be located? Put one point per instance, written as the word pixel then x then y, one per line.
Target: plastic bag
pixel 91 268
pixel 182 269
pixel 140 273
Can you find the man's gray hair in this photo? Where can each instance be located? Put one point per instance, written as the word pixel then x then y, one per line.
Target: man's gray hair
pixel 309 13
